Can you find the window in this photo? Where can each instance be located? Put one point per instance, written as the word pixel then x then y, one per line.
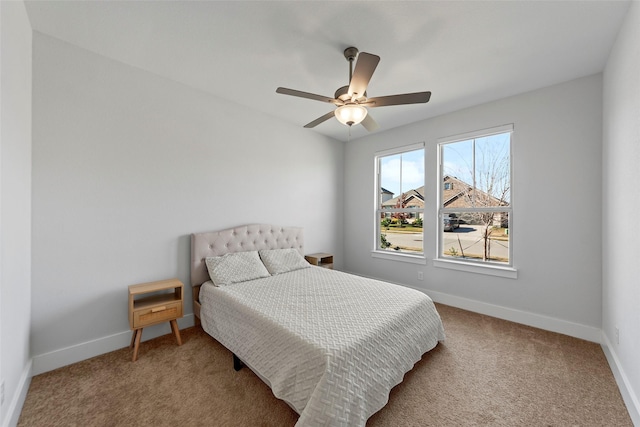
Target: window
pixel 475 211
pixel 400 201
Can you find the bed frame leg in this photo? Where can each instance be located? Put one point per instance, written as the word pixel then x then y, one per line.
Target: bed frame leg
pixel 237 363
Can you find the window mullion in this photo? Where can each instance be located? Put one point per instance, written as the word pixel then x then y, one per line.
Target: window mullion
pixel 473 172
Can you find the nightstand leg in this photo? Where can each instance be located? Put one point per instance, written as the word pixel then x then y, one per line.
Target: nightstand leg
pixel 133 338
pixel 138 334
pixel 176 331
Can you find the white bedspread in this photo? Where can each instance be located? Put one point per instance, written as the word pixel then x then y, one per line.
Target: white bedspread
pixel 330 344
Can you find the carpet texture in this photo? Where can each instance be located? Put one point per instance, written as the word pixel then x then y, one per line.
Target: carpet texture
pixel 489 372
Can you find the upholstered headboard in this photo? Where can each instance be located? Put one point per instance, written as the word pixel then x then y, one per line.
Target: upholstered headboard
pixel 240 239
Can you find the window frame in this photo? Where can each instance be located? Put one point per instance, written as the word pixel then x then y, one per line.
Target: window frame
pixel 377 252
pixel 469 265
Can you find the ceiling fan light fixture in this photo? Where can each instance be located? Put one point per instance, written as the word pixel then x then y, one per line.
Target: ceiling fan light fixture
pixel 350 114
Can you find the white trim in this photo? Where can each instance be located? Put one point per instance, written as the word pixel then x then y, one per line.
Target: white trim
pixel 471 267
pixel 405 210
pixel 399 256
pixel 628 396
pixel 398 150
pixel 65 356
pixel 535 320
pixel 17 402
pixel 476 134
pixel 500 209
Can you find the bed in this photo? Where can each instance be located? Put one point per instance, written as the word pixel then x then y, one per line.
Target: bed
pixel 330 344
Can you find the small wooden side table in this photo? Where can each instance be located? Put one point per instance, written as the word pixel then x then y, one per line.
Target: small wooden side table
pixel 152 303
pixel 320 259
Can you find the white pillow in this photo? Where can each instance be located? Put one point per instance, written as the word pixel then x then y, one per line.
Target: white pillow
pixel 280 261
pixel 235 267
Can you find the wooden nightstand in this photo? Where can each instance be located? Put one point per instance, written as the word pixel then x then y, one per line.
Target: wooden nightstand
pixel 321 260
pixel 152 303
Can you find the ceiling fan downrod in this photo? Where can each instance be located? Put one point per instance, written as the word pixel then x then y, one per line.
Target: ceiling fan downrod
pixel 350 53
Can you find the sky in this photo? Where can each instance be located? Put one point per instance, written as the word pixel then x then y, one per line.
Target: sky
pixel 412 166
pixel 457 161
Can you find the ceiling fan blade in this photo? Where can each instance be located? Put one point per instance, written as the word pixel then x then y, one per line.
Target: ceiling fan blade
pixel 407 98
pixel 319 120
pixel 369 124
pixel 365 66
pixel 301 94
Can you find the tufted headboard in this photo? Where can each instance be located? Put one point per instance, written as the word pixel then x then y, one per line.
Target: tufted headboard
pixel 240 239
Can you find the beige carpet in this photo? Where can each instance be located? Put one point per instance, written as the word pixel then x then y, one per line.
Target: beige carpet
pixel 489 372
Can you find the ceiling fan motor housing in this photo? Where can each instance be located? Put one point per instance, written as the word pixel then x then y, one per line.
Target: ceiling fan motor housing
pixel 343 95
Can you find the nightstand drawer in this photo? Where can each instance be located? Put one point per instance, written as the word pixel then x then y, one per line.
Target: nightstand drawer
pixel 157 314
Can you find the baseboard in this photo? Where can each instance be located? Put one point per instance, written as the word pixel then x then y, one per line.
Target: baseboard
pixel 588 333
pixel 17 401
pixel 65 356
pixel 576 330
pixel 628 395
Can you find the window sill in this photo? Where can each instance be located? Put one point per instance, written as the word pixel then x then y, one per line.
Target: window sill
pixel 399 256
pixel 470 267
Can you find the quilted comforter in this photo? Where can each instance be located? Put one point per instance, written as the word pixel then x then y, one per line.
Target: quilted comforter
pixel 330 344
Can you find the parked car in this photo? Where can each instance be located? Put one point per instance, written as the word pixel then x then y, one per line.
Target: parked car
pixel 448 225
pixel 451 222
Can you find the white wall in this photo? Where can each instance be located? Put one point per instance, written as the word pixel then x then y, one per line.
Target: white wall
pixel 621 253
pixel 556 196
pixel 126 165
pixel 15 207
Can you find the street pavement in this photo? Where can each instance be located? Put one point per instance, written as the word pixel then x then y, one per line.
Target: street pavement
pixel 470 237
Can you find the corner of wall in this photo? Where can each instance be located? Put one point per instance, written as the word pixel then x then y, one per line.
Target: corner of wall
pixel 628 395
pixel 20 395
pixel 15 206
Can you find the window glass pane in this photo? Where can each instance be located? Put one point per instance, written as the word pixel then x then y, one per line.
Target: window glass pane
pixel 476 172
pixel 457 162
pixel 401 232
pixel 413 171
pixel 477 236
pixel 457 171
pixel 401 177
pixel 390 167
pixel 492 170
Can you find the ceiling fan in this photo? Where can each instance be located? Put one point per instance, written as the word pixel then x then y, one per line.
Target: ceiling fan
pixel 351 100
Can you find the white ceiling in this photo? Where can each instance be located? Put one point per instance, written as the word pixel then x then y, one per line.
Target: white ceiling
pixel 465 52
